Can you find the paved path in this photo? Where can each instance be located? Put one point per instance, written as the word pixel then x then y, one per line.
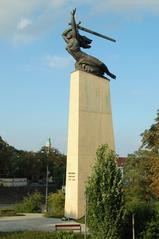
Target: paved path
pixel 31 221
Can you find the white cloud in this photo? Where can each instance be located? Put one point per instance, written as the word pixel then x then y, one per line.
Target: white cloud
pixel 15 16
pixel 11 11
pixel 23 24
pixel 57 61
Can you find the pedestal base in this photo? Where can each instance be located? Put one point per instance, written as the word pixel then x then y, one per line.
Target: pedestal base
pixel 90 124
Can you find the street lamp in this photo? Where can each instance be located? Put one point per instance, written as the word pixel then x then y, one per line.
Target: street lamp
pixel 86 204
pixel 48 147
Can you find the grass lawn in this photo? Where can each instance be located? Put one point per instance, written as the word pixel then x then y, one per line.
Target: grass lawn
pixel 40 235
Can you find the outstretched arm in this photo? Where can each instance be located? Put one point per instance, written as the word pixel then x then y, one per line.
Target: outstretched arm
pixel 73 24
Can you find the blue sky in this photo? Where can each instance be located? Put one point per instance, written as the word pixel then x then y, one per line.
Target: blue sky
pixel 35 68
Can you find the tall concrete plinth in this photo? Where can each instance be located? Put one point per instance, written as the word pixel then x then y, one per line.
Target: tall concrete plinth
pixel 90 124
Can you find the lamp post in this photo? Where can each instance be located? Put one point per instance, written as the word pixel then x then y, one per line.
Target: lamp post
pixel 48 147
pixel 85 232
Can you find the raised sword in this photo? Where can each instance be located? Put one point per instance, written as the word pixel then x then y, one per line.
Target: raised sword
pixel 95 33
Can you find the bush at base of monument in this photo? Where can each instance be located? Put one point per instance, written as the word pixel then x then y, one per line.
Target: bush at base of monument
pixel 104 194
pixel 56 203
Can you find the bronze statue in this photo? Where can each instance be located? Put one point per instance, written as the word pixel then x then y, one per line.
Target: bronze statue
pixel 75 42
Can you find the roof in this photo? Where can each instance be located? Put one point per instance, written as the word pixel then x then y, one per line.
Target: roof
pixel 121 161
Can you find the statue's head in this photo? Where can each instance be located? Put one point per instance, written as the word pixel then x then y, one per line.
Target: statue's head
pixel 84 42
pixel 69 34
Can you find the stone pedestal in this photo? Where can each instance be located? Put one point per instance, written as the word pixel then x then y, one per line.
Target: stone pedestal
pixel 90 124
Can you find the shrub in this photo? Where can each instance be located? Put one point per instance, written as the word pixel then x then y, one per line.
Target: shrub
pixel 56 204
pixel 7 212
pixel 143 215
pixel 31 203
pixel 151 230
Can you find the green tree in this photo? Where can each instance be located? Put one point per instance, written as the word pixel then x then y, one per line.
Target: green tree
pixel 56 163
pixel 7 158
pixel 154 175
pixel 32 165
pixel 137 179
pixel 150 137
pixel 141 176
pixel 150 141
pixel 141 170
pixel 104 196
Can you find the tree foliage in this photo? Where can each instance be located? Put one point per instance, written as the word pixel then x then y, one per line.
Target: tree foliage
pixel 141 170
pixel 150 141
pixel 141 188
pixel 154 175
pixel 152 229
pixel 150 137
pixel 32 165
pixel 104 196
pixel 137 179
